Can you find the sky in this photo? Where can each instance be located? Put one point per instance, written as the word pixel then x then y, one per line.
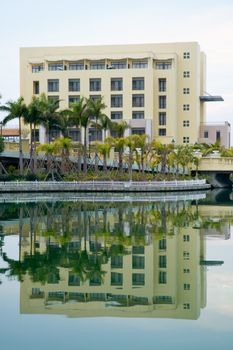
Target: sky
pixel 25 23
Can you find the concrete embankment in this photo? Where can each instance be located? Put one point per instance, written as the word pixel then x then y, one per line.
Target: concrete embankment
pixel 102 186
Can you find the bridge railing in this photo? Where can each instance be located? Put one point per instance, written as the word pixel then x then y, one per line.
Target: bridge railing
pixel 34 186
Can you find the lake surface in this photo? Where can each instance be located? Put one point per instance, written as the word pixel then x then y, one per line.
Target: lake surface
pixel 116 271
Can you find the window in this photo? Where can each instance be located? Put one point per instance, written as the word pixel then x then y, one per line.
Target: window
pixel 186 286
pixel 74 279
pixel 186 123
pixel 162 102
pixel 116 115
pixel 138 262
pixel 162 277
pixel 76 66
pixel 95 97
pixel 95 281
pixel 186 255
pixel 186 270
pixel 73 99
pixel 162 118
pixel 138 115
pixel 137 131
pixel 163 65
pixel 186 55
pixel 162 244
pixel 138 100
pixel 186 107
pixel 37 292
pixel 218 136
pixel 116 100
pixel 37 68
pixel 74 84
pixel 36 87
pixel 116 279
pixel 162 85
pixel 186 139
pixel 117 262
pixel 118 65
pixel 92 134
pixel 206 134
pixel 186 91
pixel 139 64
pixel 138 279
pixel 54 134
pixel 186 74
pixel 138 249
pixel 97 65
pixel 162 132
pixel 162 261
pixel 186 306
pixel 186 238
pixel 138 84
pixel 74 135
pixel 53 85
pixel 116 84
pixel 95 84
pixel 55 66
pixel 162 299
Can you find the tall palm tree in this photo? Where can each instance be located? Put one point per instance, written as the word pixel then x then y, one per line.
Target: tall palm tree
pixel 33 118
pixel 105 124
pixel 141 143
pixel 95 110
pixel 16 110
pixel 49 114
pixel 80 119
pixel 119 142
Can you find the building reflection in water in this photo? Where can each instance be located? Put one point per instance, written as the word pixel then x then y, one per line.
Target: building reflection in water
pixel 106 259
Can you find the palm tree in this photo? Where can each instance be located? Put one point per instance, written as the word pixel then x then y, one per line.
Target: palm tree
pixel 80 118
pixel 119 142
pixel 49 114
pixel 33 118
pixel 95 110
pixel 120 128
pixel 16 110
pixel 65 121
pixel 63 146
pixel 105 124
pixel 130 142
pixel 104 149
pixel 140 142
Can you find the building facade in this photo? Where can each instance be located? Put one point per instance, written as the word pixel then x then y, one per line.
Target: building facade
pixel 218 132
pixel 156 88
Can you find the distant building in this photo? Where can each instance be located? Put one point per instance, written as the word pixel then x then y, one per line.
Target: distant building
pixel 213 132
pixel 10 135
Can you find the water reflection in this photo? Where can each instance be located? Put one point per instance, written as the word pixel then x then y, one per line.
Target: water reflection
pixel 123 259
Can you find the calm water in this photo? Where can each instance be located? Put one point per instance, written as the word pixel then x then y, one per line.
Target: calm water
pixel 116 272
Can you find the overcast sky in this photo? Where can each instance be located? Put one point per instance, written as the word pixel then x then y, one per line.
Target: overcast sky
pixel 80 22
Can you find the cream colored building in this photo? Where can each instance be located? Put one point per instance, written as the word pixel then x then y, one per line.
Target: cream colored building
pixel 156 88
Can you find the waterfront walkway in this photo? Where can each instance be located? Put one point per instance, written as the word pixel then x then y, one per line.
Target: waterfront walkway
pixel 102 186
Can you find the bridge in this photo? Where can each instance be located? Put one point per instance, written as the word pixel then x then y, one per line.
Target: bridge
pixel 216 169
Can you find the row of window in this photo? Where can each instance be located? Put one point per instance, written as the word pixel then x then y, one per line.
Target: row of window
pixel 94 85
pixel 59 66
pixel 138 262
